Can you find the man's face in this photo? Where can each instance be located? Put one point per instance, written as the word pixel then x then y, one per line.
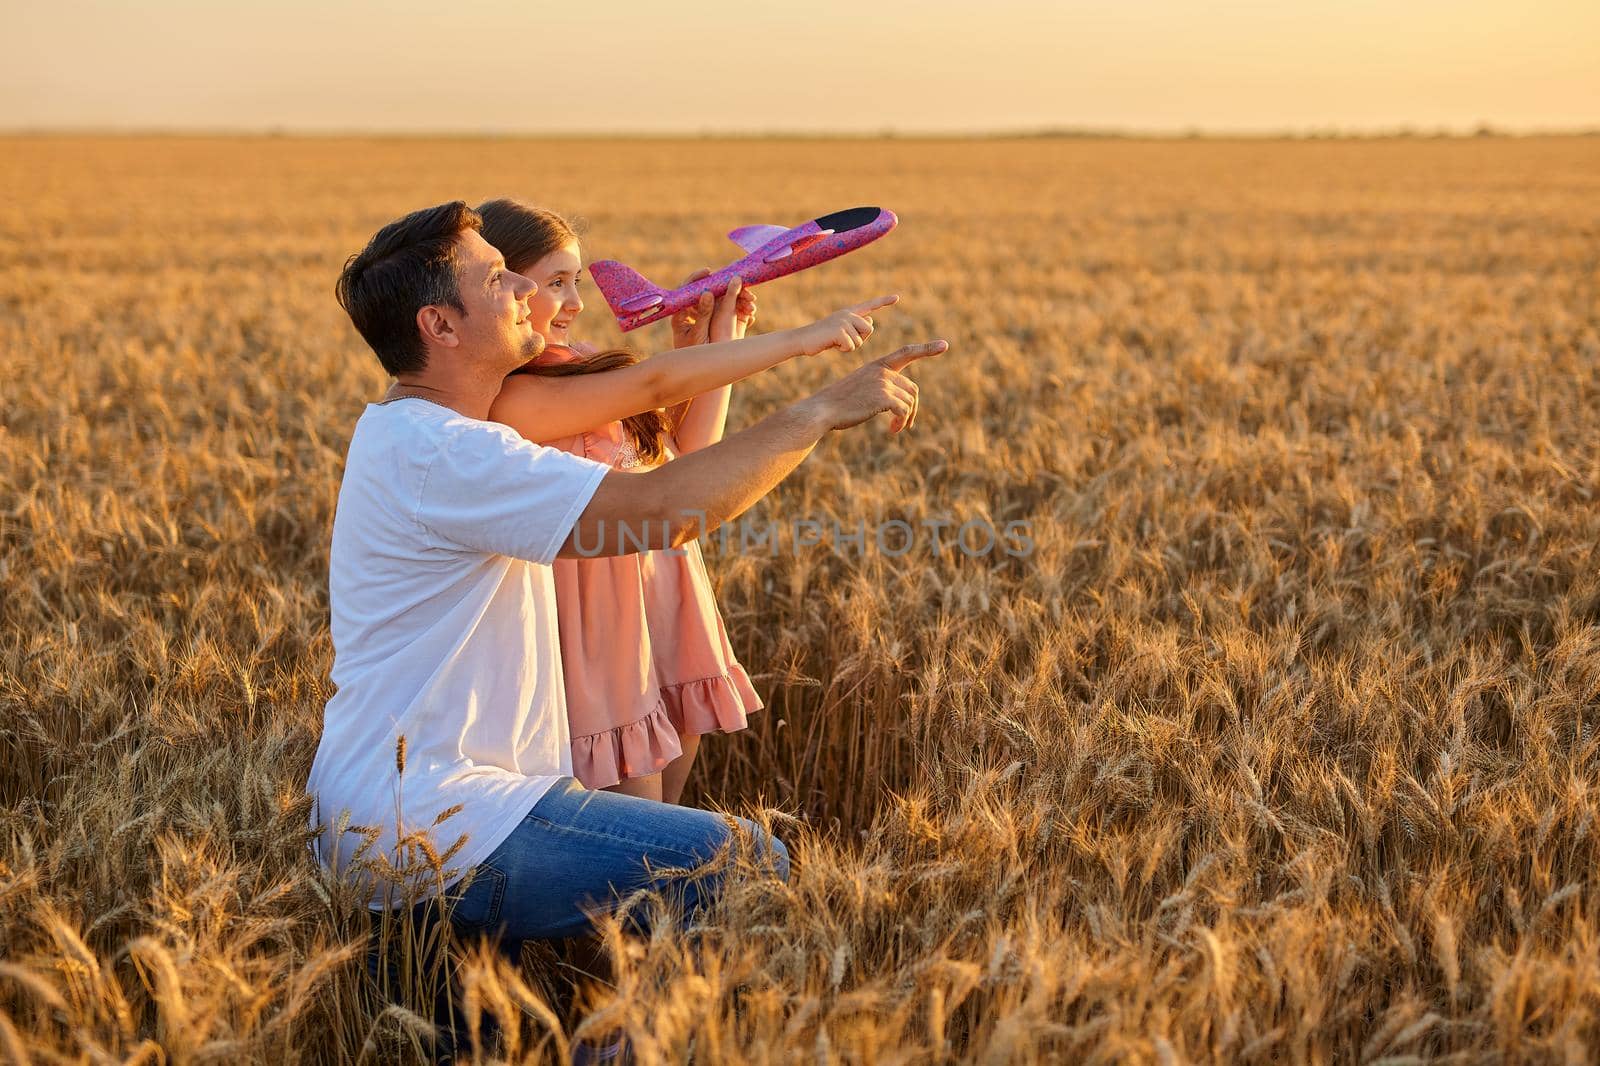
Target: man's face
pixel 496 328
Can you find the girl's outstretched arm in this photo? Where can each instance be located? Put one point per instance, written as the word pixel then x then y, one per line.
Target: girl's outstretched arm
pixel 545 408
pixel 701 421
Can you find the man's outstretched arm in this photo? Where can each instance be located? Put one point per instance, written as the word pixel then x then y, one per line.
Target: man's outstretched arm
pixel 674 503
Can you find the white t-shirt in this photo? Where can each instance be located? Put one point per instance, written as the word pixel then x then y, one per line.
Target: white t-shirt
pixel 444 632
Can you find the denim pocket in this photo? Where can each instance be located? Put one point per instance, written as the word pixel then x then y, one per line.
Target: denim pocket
pixel 477 904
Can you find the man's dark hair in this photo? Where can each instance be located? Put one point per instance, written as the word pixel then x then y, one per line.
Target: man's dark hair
pixel 408 264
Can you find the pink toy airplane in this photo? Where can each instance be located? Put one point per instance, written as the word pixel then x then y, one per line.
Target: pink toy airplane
pixel 774 252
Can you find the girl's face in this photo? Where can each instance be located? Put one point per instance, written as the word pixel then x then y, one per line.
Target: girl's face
pixel 557 303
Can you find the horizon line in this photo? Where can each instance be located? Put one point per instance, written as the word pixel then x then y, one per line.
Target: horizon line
pixel 1040 132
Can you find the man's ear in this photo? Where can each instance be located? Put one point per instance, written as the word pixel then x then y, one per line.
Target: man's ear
pixel 436 327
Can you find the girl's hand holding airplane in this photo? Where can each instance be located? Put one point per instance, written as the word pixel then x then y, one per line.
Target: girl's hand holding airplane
pixel 711 318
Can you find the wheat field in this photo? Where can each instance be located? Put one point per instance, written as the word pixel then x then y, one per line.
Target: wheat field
pixel 1282 744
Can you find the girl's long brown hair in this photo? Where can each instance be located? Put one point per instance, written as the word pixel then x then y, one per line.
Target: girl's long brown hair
pixel 524 235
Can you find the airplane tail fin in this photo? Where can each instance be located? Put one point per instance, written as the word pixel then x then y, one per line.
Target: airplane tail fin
pixel 625 289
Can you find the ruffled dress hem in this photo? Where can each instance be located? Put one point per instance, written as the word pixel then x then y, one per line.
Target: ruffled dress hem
pixel 718 704
pixel 638 749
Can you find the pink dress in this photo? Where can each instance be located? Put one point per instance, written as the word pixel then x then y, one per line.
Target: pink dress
pixel 645 654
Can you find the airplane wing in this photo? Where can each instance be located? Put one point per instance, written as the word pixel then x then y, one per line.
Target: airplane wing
pixel 751 238
pixel 754 238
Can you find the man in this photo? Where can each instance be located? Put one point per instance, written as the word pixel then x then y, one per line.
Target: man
pixel 450 701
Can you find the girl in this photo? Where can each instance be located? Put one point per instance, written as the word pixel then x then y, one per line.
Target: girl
pixel 647 660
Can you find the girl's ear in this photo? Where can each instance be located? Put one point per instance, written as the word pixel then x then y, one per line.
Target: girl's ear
pixel 435 327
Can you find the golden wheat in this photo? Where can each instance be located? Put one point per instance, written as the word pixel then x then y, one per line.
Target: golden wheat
pixel 1282 745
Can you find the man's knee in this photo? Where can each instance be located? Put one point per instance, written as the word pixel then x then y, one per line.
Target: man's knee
pixel 767 850
pixel 780 857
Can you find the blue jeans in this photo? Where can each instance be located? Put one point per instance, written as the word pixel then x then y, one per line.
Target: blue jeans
pixel 575 853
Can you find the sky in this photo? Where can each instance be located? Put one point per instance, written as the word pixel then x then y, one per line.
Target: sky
pixel 913 66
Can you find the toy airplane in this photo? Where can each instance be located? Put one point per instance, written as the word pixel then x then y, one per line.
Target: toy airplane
pixel 773 253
